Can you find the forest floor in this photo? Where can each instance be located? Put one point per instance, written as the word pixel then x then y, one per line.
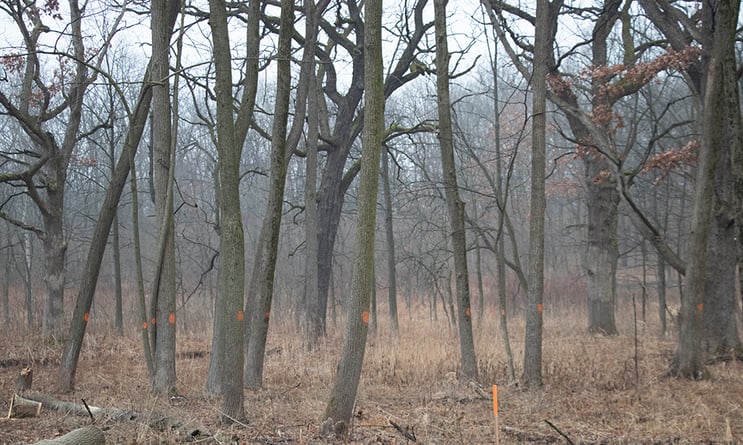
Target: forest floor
pixel 595 390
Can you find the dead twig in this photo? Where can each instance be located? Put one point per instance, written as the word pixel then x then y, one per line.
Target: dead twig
pixel 407 433
pixel 570 442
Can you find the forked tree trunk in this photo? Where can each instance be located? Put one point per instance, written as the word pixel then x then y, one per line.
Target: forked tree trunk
pixel 163 162
pixel 231 236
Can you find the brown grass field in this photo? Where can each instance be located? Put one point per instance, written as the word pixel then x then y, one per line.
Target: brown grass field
pixel 594 392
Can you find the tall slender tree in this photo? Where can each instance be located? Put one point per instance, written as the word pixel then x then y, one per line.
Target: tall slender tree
pixel 260 292
pixel 532 376
pixel 454 204
pixel 343 394
pixel 163 165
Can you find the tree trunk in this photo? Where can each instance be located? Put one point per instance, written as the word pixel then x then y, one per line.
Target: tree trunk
pixel 532 376
pixel 343 394
pixel 215 373
pixel 164 379
pixel 313 323
pixel 231 236
pixel 89 279
pixel 390 238
pixel 55 246
pixel 719 127
pixel 455 205
pixel 262 279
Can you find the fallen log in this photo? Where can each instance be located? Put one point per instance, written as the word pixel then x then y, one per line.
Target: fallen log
pixel 89 435
pixel 22 408
pixel 76 409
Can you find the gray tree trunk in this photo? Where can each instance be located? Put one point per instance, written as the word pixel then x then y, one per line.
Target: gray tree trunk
pixel 215 372
pixel 602 199
pixel 455 205
pixel 390 238
pixel 231 285
pixel 343 394
pixel 532 376
pixel 262 279
pixel 720 127
pixel 313 323
pixel 163 164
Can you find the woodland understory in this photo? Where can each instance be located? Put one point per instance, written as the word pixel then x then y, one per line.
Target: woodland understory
pixel 595 390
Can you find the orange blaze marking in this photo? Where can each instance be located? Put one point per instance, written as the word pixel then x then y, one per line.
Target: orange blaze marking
pixel 144 325
pixel 540 308
pixel 495 400
pixel 171 318
pixel 152 322
pixel 86 317
pixel 700 307
pixel 468 312
pixel 365 317
pixel 240 315
pixel 267 314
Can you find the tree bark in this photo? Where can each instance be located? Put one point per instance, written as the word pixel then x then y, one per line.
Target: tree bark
pixel 720 125
pixel 455 206
pixel 231 236
pixel 390 238
pixel 262 279
pixel 343 394
pixel 215 373
pixel 532 376
pixel 163 300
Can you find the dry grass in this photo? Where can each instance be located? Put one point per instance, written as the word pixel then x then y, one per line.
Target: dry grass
pixel 593 391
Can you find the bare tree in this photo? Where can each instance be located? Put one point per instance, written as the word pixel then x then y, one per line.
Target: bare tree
pixel 37 105
pixel 260 293
pixel 455 206
pixel 343 394
pixel 231 237
pixel 163 162
pixel 532 376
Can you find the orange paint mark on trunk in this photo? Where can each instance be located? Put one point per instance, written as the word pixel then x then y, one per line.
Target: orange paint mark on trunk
pixel 240 315
pixel 540 308
pixel 86 317
pixel 171 318
pixel 144 325
pixel 700 307
pixel 365 317
pixel 468 312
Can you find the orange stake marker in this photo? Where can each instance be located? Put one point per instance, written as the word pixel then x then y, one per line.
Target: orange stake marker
pixel 495 413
